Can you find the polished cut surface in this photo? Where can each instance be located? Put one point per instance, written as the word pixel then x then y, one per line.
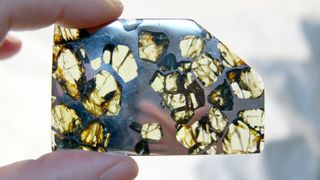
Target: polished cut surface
pixel 153 87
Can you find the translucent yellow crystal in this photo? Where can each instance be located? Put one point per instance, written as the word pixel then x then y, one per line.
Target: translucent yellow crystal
pixel 191 46
pixel 206 69
pixel 182 116
pixel 93 134
pixel 229 59
pixel 123 62
pixel 98 103
pixel 204 136
pixel 65 34
pixel 69 70
pixel 254 118
pixel 217 119
pixel 151 132
pixel 174 101
pixel 151 47
pixel 157 83
pixel 241 139
pixel 246 85
pixel 185 136
pixel 171 82
pixel 65 120
pixel 95 63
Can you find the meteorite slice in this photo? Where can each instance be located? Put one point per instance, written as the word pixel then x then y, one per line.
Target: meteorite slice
pixel 153 87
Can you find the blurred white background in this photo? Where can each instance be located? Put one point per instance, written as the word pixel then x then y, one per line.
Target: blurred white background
pixel 279 39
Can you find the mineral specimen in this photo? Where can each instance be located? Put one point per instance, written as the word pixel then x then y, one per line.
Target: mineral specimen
pixel 153 87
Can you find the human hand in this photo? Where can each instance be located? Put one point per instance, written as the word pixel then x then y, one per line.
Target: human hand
pixel 33 14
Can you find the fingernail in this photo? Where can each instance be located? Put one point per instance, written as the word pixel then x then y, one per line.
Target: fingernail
pixel 12 39
pixel 117 3
pixel 116 172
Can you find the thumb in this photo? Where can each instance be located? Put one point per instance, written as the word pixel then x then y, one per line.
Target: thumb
pixel 9 46
pixel 80 165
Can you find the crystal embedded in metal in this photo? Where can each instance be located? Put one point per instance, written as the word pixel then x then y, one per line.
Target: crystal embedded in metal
pixel 122 61
pixel 69 71
pixel 246 83
pixel 65 120
pixel 93 134
pixel 192 46
pixel 153 87
pixel 62 34
pixel 218 120
pixel 152 45
pixel 151 132
pixel 221 97
pixel 206 69
pixel 229 59
pixel 102 95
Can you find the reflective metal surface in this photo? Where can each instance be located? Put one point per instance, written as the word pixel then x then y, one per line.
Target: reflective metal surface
pixel 153 86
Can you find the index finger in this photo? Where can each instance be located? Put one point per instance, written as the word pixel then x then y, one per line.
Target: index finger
pixel 32 14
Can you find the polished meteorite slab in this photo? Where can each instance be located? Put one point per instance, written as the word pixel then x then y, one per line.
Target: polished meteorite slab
pixel 152 86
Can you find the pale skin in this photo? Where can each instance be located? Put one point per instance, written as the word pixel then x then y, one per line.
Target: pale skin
pixel 34 14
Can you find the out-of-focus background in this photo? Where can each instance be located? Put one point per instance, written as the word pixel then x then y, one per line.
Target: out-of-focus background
pixel 279 39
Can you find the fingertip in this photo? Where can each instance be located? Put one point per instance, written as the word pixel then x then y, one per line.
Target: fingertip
pixel 99 13
pixel 9 46
pixel 125 169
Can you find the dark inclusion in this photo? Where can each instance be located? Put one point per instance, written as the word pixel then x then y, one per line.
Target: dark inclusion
pixel 142 148
pixel 136 127
pixel 221 97
pixel 168 63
